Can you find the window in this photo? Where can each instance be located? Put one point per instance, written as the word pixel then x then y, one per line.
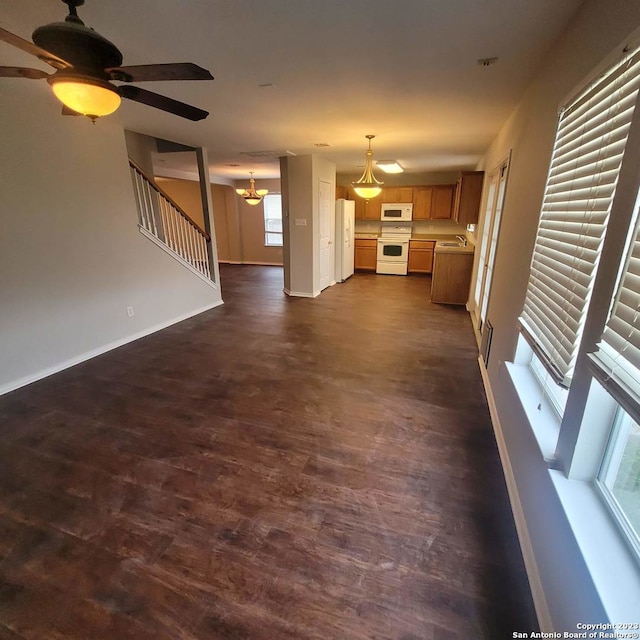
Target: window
pixel 272 220
pixel 618 354
pixel 555 394
pixel 619 477
pixel 587 154
pixel 582 319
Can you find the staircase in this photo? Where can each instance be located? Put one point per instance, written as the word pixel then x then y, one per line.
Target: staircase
pixel 161 219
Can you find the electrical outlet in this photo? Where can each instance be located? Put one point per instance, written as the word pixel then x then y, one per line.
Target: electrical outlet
pixel 130 311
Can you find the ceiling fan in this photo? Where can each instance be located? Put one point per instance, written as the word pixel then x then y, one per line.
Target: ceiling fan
pixel 85 65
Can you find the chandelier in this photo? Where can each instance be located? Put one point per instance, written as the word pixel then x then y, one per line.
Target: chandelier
pixel 368 187
pixel 250 195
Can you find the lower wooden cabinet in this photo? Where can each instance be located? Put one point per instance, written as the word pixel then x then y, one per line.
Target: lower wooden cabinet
pixel 366 254
pixel 421 256
pixel 451 277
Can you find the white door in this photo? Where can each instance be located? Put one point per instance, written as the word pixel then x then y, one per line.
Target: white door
pixel 326 217
pixel 489 240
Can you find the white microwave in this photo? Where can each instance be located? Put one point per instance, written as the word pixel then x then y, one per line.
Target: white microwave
pixel 397 211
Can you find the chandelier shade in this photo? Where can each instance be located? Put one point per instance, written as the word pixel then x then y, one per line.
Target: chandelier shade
pixel 368 186
pixel 251 195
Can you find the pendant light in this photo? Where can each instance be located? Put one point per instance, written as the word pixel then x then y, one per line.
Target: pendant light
pixel 368 187
pixel 250 195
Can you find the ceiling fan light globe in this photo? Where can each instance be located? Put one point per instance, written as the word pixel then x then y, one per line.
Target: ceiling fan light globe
pixel 241 192
pixel 88 98
pixel 262 192
pixel 253 201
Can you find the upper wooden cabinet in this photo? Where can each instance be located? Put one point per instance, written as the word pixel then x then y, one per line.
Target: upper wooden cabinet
pixel 442 201
pixel 341 192
pixel 422 203
pixel 468 196
pixel 433 202
pixel 397 194
pixel 367 209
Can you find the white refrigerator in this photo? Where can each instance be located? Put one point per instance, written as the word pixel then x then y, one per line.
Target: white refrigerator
pixel 345 246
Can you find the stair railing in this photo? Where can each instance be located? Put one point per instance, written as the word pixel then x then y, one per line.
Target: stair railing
pixel 159 215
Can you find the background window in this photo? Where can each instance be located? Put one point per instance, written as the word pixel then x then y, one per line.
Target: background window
pixel 619 477
pixel 273 220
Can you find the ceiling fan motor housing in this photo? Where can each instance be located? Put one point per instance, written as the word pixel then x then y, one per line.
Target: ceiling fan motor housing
pixel 83 47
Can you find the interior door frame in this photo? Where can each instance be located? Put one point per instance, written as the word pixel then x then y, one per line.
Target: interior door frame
pixel 326 220
pixel 489 243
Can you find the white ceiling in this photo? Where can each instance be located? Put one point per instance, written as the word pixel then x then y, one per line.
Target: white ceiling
pixel 404 70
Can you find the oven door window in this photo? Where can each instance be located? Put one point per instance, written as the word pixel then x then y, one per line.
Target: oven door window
pixel 392 250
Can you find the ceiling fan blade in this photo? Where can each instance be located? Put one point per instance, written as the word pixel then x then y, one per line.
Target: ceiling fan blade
pixel 29 47
pixel 150 72
pixel 22 72
pixel 162 102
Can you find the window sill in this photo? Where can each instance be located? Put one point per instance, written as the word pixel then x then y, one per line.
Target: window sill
pixel 544 422
pixel 612 565
pixel 607 556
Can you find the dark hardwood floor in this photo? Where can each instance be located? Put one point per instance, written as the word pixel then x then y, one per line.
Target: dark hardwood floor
pixel 272 469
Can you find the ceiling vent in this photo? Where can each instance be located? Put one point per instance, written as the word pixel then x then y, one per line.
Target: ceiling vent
pixel 266 154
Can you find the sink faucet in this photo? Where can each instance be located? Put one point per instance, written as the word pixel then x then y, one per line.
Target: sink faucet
pixel 463 240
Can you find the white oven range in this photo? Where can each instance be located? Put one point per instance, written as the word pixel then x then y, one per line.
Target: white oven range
pixel 393 249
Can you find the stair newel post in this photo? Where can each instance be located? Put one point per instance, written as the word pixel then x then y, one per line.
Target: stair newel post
pixel 207 210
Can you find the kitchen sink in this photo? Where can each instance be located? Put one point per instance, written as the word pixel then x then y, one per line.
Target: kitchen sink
pixel 450 244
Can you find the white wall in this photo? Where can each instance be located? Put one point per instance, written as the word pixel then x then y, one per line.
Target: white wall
pixel 599 27
pixel 300 177
pixel 71 257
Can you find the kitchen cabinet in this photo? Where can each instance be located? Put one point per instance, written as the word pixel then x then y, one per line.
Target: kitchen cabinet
pixel 420 256
pixel 451 277
pixel 422 203
pixel 442 201
pixel 366 254
pixel 433 202
pixel 368 209
pixel 397 194
pixel 468 196
pixel 342 192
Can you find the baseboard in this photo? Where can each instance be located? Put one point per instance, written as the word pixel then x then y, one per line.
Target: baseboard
pixel 88 355
pixel 260 264
pixel 301 294
pixel 531 566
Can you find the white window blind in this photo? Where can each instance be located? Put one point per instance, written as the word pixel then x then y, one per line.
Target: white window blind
pixel 587 154
pixel 619 352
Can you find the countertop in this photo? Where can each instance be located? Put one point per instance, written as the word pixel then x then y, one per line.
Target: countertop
pixel 468 248
pixel 430 237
